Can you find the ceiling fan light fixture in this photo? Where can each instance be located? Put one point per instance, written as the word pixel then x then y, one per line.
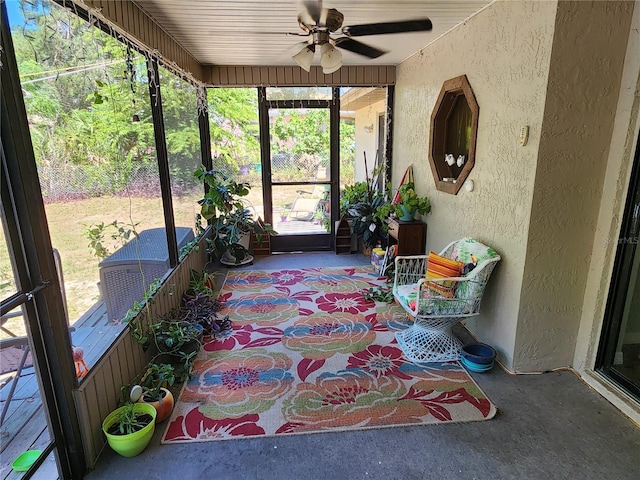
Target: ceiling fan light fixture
pixel 305 56
pixel 330 59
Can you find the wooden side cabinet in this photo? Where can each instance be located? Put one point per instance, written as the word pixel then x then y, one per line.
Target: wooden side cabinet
pixel 411 237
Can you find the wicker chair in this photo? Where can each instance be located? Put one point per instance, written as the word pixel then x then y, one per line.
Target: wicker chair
pixel 430 339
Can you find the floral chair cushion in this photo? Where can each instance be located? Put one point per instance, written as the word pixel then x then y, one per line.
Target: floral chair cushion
pixel 470 251
pixel 435 304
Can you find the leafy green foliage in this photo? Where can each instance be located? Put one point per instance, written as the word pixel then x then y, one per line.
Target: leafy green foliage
pixel 155 378
pixel 352 194
pixel 225 205
pixel 412 202
pixel 120 234
pixel 382 293
pixel 82 88
pixel 300 132
pixel 364 204
pixel 171 334
pixel 366 223
pixel 203 283
pixel 233 127
pixel 129 420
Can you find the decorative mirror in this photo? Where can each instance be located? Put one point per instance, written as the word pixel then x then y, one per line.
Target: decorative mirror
pixel 454 128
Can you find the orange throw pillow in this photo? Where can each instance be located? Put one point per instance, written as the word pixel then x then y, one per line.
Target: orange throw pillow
pixel 442 267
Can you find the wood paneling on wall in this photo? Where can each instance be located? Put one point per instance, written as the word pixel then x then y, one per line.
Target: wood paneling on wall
pixel 133 22
pixel 99 393
pixel 374 75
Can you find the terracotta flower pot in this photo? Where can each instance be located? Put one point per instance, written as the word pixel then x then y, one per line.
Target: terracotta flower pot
pixel 163 407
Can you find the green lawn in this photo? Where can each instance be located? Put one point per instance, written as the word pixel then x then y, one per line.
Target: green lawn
pixel 67 222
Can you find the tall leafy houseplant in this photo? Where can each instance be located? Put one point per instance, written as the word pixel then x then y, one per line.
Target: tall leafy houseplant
pixel 225 205
pixel 363 203
pixel 366 221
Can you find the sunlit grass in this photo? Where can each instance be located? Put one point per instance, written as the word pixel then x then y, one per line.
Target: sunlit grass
pixel 67 222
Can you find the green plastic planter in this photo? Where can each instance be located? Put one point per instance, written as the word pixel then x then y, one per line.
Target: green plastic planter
pixel 134 443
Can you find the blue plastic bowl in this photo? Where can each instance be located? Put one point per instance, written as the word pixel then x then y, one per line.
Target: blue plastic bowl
pixel 475 367
pixel 479 353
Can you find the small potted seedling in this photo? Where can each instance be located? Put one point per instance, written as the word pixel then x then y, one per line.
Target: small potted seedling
pixel 129 428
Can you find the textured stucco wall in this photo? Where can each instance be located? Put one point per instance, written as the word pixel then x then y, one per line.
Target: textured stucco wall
pixel 587 61
pixel 505 52
pixel 624 142
pixel 367 141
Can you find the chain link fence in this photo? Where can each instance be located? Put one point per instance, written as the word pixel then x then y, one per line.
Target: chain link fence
pixel 69 182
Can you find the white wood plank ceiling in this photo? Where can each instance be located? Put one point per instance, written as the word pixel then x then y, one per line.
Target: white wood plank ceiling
pixel 254 32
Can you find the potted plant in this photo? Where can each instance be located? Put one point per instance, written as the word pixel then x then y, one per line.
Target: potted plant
pixel 155 382
pixel 225 206
pixel 203 282
pixel 367 222
pixel 410 203
pixel 201 310
pixel 284 213
pixel 129 428
pixel 350 195
pixel 363 203
pixel 172 334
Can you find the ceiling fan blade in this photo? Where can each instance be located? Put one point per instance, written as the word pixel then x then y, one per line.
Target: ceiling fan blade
pixel 358 47
pixel 421 25
pixel 314 9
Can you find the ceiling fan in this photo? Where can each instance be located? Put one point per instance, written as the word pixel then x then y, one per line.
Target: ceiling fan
pixel 322 24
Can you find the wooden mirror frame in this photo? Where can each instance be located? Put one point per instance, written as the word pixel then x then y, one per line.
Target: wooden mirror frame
pixel 453 91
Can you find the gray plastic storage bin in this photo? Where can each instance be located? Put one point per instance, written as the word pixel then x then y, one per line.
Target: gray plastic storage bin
pixel 122 273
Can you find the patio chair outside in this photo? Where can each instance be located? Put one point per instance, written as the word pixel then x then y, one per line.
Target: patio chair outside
pixel 307 204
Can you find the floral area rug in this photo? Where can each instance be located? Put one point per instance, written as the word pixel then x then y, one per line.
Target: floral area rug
pixel 308 353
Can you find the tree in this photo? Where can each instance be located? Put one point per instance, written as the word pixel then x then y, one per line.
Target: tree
pixel 234 128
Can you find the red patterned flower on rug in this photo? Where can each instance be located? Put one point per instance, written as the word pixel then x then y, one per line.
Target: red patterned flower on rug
pixel 238 383
pixel 196 426
pixel 320 336
pixel 227 340
pixel 352 303
pixel 380 361
pixel 288 277
pixel 267 309
pixel 441 404
pixel 352 397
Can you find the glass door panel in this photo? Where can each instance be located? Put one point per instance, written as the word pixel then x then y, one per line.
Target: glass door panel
pixel 627 357
pixel 300 166
pixel 299 209
pixel 235 144
pixel 299 145
pixel 619 354
pixel 24 420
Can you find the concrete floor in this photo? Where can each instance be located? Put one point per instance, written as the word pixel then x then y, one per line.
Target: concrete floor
pixel 550 426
